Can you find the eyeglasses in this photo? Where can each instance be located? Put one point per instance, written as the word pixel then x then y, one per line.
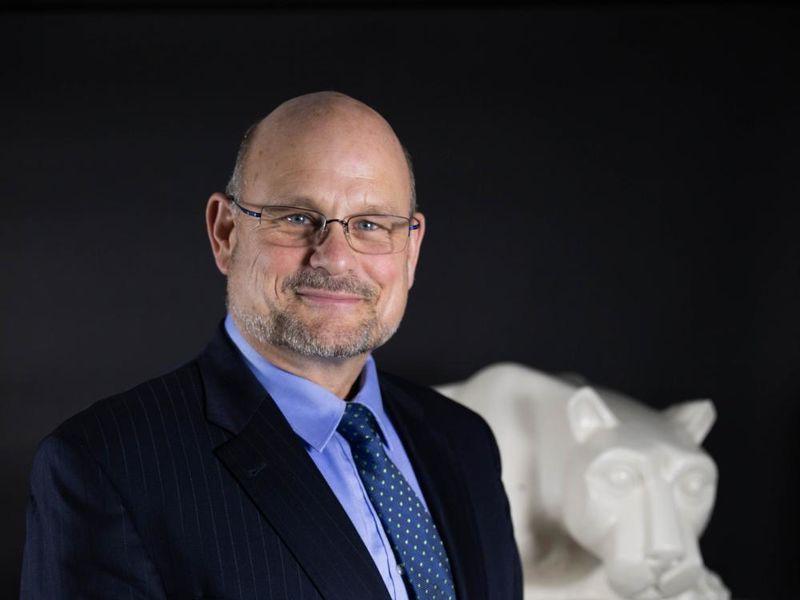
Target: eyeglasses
pixel 293 226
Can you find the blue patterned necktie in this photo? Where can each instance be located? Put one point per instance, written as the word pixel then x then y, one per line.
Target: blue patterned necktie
pixel 408 525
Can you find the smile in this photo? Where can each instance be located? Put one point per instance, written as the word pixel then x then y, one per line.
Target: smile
pixel 327 297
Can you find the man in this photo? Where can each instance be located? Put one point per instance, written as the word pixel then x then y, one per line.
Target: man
pixel 280 463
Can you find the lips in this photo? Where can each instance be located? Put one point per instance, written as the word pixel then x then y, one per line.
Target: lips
pixel 317 286
pixel 650 593
pixel 328 297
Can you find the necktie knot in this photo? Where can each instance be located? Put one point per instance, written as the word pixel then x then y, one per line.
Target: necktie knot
pixel 358 425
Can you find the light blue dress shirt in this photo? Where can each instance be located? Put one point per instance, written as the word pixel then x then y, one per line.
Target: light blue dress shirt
pixel 314 413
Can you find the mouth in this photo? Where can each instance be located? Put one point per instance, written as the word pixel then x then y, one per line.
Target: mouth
pixel 649 593
pixel 327 297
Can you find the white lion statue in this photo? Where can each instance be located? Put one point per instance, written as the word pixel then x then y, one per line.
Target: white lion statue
pixel 608 497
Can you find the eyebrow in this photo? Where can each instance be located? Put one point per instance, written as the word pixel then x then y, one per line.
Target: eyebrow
pixel 305 202
pixel 298 201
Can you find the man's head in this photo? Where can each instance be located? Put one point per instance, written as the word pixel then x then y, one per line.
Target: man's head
pixel 329 153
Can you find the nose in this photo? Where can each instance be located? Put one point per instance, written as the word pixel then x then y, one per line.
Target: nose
pixel 664 546
pixel 332 251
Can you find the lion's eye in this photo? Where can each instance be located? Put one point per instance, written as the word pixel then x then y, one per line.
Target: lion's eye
pixel 623 478
pixel 694 483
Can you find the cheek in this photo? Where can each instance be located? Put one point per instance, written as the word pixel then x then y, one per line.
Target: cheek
pixel 259 271
pixel 392 279
pixel 695 518
pixel 589 523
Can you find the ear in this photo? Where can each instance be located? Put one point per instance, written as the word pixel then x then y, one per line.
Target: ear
pixel 587 413
pixel 696 417
pixel 414 243
pixel 220 227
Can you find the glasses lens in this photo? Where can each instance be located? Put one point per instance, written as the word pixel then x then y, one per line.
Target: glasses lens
pixel 289 226
pixel 378 234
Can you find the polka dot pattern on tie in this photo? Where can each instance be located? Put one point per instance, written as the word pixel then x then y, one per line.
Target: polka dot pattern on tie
pixel 417 546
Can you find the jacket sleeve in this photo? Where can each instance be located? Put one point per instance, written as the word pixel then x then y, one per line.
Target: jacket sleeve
pixel 80 541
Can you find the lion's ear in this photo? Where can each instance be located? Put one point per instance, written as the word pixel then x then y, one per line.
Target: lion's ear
pixel 695 417
pixel 588 413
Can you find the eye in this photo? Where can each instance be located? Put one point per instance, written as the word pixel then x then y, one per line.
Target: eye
pixel 367 225
pixel 301 219
pixel 695 484
pixel 622 477
pixel 616 477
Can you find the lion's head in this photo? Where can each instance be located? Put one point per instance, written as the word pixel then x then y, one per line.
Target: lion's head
pixel 638 491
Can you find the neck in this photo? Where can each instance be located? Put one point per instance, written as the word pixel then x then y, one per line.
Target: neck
pixel 336 375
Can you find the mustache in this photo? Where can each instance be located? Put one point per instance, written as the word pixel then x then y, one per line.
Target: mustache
pixel 316 280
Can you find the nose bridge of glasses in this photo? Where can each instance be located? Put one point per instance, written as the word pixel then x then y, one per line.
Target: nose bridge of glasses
pixel 323 233
pixel 343 222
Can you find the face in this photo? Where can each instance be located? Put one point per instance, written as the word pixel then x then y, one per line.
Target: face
pixel 326 301
pixel 640 507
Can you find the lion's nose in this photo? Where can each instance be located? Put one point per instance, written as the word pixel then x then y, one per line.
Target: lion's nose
pixel 660 565
pixel 664 544
pixel 667 555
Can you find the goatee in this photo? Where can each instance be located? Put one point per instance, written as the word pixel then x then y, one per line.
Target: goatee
pixel 315 338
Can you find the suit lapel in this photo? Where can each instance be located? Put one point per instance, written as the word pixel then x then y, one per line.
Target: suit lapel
pixel 271 465
pixel 444 486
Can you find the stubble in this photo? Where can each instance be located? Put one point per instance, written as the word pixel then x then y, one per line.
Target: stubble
pixel 313 336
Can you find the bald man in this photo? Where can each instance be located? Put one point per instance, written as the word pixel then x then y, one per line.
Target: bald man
pixel 280 463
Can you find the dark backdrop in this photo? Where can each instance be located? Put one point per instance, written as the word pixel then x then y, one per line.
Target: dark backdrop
pixel 611 192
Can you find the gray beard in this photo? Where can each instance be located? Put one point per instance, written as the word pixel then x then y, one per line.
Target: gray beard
pixel 283 328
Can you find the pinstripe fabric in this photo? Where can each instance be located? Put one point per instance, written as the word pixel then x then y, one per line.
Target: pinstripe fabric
pixel 192 485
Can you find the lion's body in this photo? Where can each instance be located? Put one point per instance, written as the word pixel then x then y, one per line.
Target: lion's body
pixel 608 497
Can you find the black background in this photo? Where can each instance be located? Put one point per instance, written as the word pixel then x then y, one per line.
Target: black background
pixel 609 191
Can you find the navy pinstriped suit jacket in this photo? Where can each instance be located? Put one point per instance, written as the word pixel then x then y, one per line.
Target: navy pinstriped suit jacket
pixel 193 485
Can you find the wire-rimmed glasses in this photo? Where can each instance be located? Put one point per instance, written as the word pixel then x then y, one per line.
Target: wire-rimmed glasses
pixel 294 226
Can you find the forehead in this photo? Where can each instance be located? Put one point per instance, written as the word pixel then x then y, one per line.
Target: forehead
pixel 664 445
pixel 644 435
pixel 339 161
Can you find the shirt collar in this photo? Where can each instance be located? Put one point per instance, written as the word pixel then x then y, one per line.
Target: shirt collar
pixel 312 411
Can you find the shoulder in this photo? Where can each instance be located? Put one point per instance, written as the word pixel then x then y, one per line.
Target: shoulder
pixel 106 428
